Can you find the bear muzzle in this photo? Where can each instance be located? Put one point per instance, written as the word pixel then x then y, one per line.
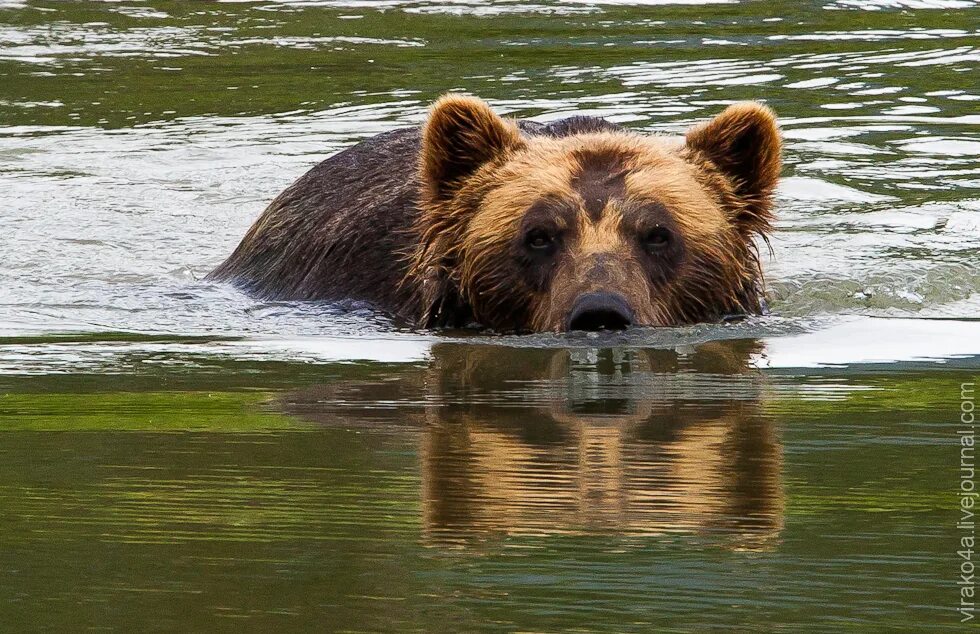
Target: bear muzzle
pixel 600 311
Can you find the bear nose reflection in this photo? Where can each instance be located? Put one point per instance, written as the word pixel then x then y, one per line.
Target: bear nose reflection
pixel 600 311
pixel 513 441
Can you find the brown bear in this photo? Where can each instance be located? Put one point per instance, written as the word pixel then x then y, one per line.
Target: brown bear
pixel 519 226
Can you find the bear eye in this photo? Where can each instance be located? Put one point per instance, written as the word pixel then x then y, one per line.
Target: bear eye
pixel 657 239
pixel 538 239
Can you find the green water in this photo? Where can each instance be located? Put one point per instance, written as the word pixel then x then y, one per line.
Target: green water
pixel 175 456
pixel 632 490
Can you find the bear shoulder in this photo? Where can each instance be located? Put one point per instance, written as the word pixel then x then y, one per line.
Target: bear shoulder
pixel 346 228
pixel 338 231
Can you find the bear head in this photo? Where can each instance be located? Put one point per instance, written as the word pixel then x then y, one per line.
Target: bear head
pixel 594 230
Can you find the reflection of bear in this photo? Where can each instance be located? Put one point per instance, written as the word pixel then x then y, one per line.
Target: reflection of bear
pixel 542 441
pixel 578 224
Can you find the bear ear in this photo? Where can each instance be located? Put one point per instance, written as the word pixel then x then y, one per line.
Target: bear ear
pixel 744 143
pixel 461 135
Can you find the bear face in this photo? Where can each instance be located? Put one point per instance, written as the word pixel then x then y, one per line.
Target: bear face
pixel 602 229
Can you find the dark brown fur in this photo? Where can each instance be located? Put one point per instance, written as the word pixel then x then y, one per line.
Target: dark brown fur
pixel 437 227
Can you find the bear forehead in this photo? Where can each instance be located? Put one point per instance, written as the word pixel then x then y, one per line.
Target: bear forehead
pixel 598 174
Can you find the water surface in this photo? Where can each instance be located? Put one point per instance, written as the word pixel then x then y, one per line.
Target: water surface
pixel 177 456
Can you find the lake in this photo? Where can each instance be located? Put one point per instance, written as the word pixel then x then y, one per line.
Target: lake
pixel 178 456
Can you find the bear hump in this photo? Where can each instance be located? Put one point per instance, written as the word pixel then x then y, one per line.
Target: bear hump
pixel 578 125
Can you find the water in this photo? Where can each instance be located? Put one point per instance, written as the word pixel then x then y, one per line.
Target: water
pixel 177 456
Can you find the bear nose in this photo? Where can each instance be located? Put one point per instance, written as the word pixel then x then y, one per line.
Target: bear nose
pixel 600 311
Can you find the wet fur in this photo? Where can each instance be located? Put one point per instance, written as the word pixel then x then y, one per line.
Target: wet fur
pixel 428 224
